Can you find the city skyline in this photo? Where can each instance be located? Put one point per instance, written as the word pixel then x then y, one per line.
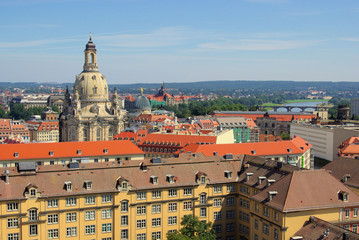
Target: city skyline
pixel 180 41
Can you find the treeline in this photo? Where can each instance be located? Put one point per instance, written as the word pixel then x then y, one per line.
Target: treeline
pixel 18 112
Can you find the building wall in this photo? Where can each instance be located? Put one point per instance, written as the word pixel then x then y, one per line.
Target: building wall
pixel 225 137
pixel 354 106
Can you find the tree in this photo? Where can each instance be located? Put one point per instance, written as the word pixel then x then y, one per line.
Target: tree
pixel 285 136
pixel 193 228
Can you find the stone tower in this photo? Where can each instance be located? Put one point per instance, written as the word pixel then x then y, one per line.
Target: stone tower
pixel 89 115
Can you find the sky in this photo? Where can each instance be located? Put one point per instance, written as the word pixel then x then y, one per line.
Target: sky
pixel 149 41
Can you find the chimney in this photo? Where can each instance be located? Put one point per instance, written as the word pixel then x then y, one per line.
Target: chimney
pixel 261 179
pixel 7 173
pixel 271 194
pixel 248 175
pixel 270 182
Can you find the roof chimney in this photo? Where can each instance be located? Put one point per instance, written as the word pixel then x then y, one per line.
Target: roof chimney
pixel 7 173
pixel 271 194
pixel 248 176
pixel 261 179
pixel 270 182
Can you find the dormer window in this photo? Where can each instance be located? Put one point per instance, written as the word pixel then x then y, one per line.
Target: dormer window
pixel 154 179
pixel 68 186
pixel 344 196
pixel 143 166
pixel 289 150
pixel 51 153
pixel 270 182
pixel 253 152
pixel 124 185
pixel 228 174
pixel 88 185
pixel 16 154
pixel 105 150
pixel 33 193
pixel 170 178
pixel 79 152
pixel 248 176
pixel 203 179
pixel 261 179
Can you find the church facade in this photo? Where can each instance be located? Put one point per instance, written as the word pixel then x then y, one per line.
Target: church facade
pixel 89 115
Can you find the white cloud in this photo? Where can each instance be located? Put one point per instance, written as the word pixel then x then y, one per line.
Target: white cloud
pixel 351 39
pixel 254 44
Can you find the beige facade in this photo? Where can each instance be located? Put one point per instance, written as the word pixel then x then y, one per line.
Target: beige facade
pixel 89 115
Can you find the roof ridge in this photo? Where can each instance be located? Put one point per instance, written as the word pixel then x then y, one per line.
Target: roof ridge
pixel 286 194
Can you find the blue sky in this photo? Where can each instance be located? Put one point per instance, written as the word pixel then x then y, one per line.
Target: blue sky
pixel 181 40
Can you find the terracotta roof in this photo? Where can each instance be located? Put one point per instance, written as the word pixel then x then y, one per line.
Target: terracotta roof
pixel 295 146
pixel 66 149
pixel 316 228
pixel 345 166
pixel 182 140
pixel 307 190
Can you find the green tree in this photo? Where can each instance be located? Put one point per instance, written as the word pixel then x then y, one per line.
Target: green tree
pixel 285 136
pixel 2 113
pixel 193 228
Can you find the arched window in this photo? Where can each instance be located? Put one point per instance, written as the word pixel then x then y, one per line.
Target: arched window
pixel 92 58
pixel 85 135
pixel 98 134
pixel 95 90
pixel 110 134
pixel 124 206
pixel 33 214
pixel 203 198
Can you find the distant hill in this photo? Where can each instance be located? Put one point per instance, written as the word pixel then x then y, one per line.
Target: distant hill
pixel 223 84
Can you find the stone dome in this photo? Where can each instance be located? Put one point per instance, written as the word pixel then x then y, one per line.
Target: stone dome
pixel 91 85
pixel 142 103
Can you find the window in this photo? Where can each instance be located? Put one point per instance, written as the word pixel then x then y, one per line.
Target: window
pixel 217 215
pixel 106 198
pixel 172 193
pixel 107 227
pixel 124 220
pixel 52 218
pixel 156 194
pixel 256 207
pixel 68 186
pixel 106 213
pixel 90 215
pixel 124 206
pixel 355 228
pixel 33 215
pixel 244 203
pixel 141 236
pixel 141 196
pixel 156 208
pixel 33 230
pixel 90 200
pixel 71 232
pixel 217 189
pixel 230 214
pixel 229 227
pixel 203 179
pixel 141 223
pixel 12 222
pixel 276 235
pixel 276 216
pixel 187 205
pixel 265 229
pixel 32 192
pixel 355 212
pixel 90 229
pixel 217 228
pixel 230 201
pixel 141 210
pixel 172 207
pixel 347 227
pixel 347 213
pixel 217 202
pixel 52 203
pixel 203 198
pixel 187 192
pixel 156 236
pixel 71 217
pixel 243 216
pixel 230 188
pixel 53 233
pixel 13 236
pixel 265 211
pixel 203 212
pixel 256 224
pixel 156 222
pixel 12 206
pixel 71 202
pixel 172 220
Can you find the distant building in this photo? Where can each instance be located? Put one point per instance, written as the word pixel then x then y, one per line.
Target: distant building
pixel 324 138
pixel 14 129
pixel 89 115
pixel 244 130
pixel 343 112
pixel 163 98
pixel 57 101
pixel 43 131
pixel 296 152
pixel 349 148
pixel 354 107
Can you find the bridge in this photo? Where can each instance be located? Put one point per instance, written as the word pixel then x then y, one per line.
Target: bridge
pixel 302 108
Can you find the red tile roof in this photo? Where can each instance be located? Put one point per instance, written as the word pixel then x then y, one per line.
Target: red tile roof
pixel 182 140
pixel 66 149
pixel 296 145
pixel 279 117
